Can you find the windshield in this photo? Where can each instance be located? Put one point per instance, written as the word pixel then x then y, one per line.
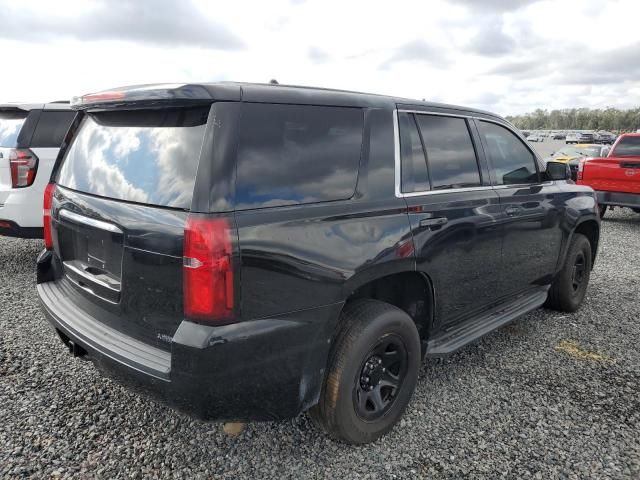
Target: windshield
pixel 139 156
pixel 591 151
pixel 10 125
pixel 628 147
pixel 567 152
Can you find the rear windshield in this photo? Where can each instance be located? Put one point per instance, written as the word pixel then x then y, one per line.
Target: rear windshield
pixel 144 156
pixel 10 125
pixel 628 147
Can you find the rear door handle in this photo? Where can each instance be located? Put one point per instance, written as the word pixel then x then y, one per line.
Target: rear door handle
pixel 433 222
pixel 512 211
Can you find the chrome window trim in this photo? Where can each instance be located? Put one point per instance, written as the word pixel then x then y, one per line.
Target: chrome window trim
pixel 447 190
pixel 92 222
pixel 397 159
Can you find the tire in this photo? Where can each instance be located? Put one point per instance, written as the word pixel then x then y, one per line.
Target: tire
pixel 370 331
pixel 602 210
pixel 637 210
pixel 565 295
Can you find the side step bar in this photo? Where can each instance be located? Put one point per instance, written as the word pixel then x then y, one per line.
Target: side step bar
pixel 460 335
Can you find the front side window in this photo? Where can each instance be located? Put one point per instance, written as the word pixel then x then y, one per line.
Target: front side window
pixel 294 154
pixel 513 163
pixel 143 156
pixel 450 154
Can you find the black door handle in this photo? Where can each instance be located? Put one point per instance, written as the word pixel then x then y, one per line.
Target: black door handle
pixel 512 211
pixel 433 222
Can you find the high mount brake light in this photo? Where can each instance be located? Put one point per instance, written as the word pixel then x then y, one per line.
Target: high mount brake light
pixel 46 215
pixel 23 164
pixel 144 93
pixel 102 97
pixel 207 269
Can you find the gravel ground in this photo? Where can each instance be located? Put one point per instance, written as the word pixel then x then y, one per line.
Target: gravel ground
pixel 552 395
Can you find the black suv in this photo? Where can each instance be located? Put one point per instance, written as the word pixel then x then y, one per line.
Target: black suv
pixel 250 252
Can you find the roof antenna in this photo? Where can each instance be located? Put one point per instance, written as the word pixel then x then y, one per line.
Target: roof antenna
pixel 273 81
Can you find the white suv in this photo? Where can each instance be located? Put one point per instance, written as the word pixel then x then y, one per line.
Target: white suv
pixel 30 137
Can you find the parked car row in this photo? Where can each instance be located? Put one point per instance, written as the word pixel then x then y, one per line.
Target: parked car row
pixel 248 252
pixel 571 137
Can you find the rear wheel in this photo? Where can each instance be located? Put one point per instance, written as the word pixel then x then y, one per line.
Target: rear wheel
pixel 602 209
pixel 570 286
pixel 372 372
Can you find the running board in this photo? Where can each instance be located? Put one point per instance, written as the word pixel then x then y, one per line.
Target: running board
pixel 460 335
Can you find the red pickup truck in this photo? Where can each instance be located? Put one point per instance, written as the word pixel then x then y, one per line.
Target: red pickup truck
pixel 615 178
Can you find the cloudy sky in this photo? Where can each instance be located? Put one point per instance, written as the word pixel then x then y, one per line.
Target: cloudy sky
pixel 507 56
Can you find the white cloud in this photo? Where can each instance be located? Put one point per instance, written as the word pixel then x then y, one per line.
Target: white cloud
pixel 533 54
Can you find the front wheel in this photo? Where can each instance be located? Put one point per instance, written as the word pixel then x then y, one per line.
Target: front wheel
pixel 372 372
pixel 570 285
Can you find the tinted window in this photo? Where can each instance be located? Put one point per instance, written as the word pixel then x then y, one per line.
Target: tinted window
pixel 291 154
pixel 51 129
pixel 413 165
pixel 628 147
pixel 139 156
pixel 450 153
pixel 10 125
pixel 512 161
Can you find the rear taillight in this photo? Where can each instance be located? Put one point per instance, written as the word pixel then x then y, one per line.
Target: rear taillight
pixel 580 168
pixel 208 269
pixel 46 215
pixel 23 164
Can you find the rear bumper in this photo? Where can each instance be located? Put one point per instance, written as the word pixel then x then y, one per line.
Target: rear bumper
pixel 255 370
pixel 619 199
pixel 9 228
pixel 22 206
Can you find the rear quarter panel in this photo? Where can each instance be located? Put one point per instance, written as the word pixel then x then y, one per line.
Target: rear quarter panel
pixel 308 256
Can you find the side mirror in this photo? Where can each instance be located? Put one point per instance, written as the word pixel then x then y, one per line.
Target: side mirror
pixel 557 171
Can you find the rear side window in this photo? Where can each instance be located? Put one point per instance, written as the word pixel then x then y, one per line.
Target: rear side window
pixel 450 153
pixel 512 161
pixel 51 129
pixel 293 154
pixel 144 156
pixel 628 147
pixel 413 165
pixel 10 125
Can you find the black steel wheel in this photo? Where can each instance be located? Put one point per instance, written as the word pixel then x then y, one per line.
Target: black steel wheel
pixel 578 272
pixel 380 379
pixel 371 374
pixel 570 285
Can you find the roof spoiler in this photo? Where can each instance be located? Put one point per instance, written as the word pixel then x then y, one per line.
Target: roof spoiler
pixel 144 96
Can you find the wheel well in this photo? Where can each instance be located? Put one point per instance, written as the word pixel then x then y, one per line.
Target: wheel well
pixel 411 292
pixel 591 230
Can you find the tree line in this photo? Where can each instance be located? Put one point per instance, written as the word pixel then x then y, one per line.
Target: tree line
pixel 610 119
